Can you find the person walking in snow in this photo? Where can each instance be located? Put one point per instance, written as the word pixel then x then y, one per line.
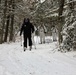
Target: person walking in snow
pixel 33 35
pixel 42 31
pixel 54 33
pixel 27 29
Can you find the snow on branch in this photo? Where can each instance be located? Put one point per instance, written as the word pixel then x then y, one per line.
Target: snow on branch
pixel 70 2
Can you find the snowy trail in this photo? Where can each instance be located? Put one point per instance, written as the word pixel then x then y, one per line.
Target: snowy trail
pixel 42 61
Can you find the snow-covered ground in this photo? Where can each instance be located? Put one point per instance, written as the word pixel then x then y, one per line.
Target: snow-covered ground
pixel 45 60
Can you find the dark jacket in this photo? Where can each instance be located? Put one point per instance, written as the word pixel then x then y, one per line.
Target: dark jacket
pixel 27 29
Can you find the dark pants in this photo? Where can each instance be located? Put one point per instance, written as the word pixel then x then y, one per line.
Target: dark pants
pixel 29 40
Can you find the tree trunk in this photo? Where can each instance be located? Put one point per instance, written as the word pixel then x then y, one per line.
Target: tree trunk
pixel 3 22
pixel 11 29
pixel 12 21
pixel 0 29
pixel 61 4
pixel 0 1
pixel 7 28
pixel 8 21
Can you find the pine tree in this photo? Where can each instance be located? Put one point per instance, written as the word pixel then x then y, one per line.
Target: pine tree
pixel 69 42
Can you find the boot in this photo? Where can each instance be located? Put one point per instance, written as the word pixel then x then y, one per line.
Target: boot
pixel 24 48
pixel 30 48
